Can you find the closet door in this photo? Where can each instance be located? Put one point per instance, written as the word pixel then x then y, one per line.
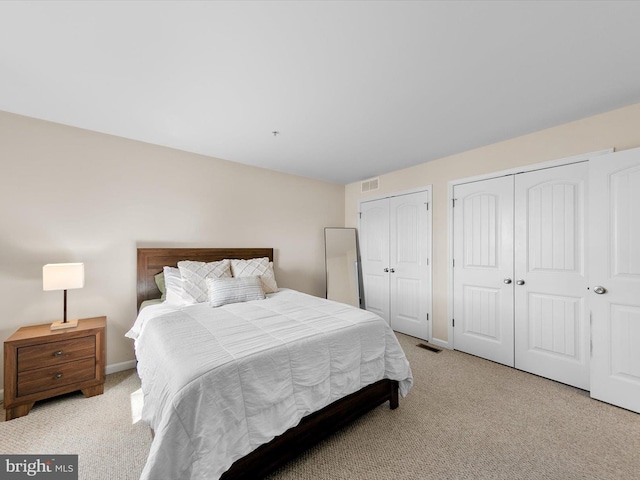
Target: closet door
pixel 614 263
pixel 483 270
pixel 408 264
pixel 394 242
pixel 551 316
pixel 374 239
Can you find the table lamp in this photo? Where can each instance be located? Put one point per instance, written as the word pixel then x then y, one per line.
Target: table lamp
pixel 63 276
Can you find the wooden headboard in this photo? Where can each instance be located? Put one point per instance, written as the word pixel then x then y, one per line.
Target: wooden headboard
pixel 151 261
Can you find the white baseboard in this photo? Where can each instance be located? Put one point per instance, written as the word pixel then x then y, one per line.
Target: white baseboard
pixel 441 343
pixel 117 367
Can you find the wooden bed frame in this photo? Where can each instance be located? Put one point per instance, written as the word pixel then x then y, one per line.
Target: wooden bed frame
pixel 312 428
pixel 151 261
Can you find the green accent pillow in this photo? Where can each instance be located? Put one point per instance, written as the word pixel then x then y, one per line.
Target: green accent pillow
pixel 160 283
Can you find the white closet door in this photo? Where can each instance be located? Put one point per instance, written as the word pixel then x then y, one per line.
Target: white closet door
pixel 408 272
pixel 614 258
pixel 374 238
pixel 551 322
pixel 483 255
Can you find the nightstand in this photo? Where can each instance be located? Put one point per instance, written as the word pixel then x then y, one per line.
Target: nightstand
pixel 40 363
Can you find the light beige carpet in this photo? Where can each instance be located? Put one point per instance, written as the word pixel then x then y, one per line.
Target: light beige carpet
pixel 98 429
pixel 466 418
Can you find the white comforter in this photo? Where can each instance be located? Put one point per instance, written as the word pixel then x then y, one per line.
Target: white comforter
pixel 219 382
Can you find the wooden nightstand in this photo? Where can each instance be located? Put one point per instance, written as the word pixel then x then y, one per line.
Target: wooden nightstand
pixel 40 363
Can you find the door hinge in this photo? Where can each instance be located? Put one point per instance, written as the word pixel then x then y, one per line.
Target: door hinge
pixel 427 262
pixel 359 214
pixel 427 204
pixel 453 322
pixel 427 317
pixel 454 261
pixel 453 202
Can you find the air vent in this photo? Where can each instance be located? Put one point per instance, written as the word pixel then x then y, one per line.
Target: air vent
pixel 369 185
pixel 431 348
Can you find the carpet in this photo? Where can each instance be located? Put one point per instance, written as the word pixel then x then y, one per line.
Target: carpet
pixel 465 418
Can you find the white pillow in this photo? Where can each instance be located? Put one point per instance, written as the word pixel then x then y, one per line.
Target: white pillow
pixel 233 290
pixel 173 286
pixel 194 275
pixel 256 266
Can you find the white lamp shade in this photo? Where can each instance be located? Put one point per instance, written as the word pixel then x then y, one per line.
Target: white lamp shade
pixel 62 276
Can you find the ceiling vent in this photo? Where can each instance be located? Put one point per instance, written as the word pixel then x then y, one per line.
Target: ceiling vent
pixel 369 185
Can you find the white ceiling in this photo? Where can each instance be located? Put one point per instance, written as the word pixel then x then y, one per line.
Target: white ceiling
pixel 355 89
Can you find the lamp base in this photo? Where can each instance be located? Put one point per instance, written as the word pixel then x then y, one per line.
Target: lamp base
pixel 60 325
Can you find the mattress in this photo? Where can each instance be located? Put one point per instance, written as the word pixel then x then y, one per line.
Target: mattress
pixel 219 382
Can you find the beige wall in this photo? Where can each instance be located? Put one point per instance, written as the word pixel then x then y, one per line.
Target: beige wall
pixel 71 195
pixel 618 128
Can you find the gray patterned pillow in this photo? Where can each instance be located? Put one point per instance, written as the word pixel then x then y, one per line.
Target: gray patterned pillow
pixel 256 266
pixel 194 275
pixel 233 290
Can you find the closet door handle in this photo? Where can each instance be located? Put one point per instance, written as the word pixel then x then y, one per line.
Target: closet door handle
pixel 386 270
pixel 392 271
pixel 519 282
pixel 599 290
pixel 507 281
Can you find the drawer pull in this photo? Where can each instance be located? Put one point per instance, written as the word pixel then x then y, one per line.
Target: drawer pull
pixel 58 353
pixel 58 375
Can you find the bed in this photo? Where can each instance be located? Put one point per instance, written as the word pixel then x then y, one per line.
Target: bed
pixel 187 445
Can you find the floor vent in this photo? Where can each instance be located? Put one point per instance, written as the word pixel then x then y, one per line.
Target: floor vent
pixel 369 185
pixel 429 347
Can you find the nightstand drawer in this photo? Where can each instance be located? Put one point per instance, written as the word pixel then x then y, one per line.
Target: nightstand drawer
pixel 55 376
pixel 55 353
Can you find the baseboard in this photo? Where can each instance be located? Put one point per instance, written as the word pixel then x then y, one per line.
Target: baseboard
pixel 116 367
pixel 441 343
pixel 119 367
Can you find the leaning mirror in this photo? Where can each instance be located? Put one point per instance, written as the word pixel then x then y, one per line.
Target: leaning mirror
pixel 341 261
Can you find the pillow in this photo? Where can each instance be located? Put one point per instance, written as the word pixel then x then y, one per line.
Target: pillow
pixel 173 286
pixel 261 267
pixel 194 275
pixel 233 290
pixel 159 278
